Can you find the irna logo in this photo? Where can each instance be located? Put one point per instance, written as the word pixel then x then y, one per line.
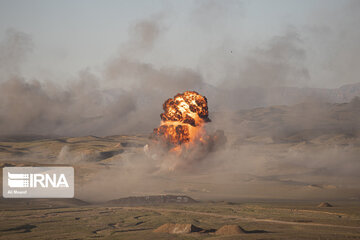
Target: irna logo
pixel 38 182
pixel 18 180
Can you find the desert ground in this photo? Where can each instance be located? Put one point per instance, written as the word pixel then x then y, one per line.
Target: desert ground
pixel 75 219
pixel 102 217
pixel 266 183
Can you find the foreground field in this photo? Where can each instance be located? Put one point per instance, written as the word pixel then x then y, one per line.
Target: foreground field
pixel 295 167
pixel 107 168
pixel 74 219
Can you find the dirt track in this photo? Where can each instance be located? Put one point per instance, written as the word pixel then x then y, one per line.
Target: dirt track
pixel 159 210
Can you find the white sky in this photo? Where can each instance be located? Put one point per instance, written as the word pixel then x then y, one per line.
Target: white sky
pixel 73 35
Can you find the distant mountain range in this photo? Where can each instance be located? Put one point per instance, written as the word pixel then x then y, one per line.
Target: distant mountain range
pixel 245 98
pixel 300 122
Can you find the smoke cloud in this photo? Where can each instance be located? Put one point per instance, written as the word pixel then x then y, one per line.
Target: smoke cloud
pixel 125 102
pixel 295 150
pixel 125 95
pixel 14 49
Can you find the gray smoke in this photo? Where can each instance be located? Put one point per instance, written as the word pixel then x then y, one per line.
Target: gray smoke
pixel 126 102
pixel 301 150
pixel 127 96
pixel 14 49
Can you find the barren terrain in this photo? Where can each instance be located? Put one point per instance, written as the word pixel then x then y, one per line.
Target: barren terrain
pixel 268 179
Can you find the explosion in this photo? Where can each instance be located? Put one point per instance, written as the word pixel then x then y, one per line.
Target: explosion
pixel 181 140
pixel 182 123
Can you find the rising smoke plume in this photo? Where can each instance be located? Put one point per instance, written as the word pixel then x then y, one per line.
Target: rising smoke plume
pixel 127 98
pixel 181 139
pixel 129 90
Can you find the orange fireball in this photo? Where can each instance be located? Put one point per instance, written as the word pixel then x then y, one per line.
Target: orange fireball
pixel 183 119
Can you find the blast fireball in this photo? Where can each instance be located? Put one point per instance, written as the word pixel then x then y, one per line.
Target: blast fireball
pixel 182 122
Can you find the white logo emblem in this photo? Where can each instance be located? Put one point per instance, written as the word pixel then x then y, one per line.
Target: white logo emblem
pixel 18 180
pixel 34 182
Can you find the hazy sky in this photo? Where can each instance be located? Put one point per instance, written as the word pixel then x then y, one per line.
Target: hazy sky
pixel 207 36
